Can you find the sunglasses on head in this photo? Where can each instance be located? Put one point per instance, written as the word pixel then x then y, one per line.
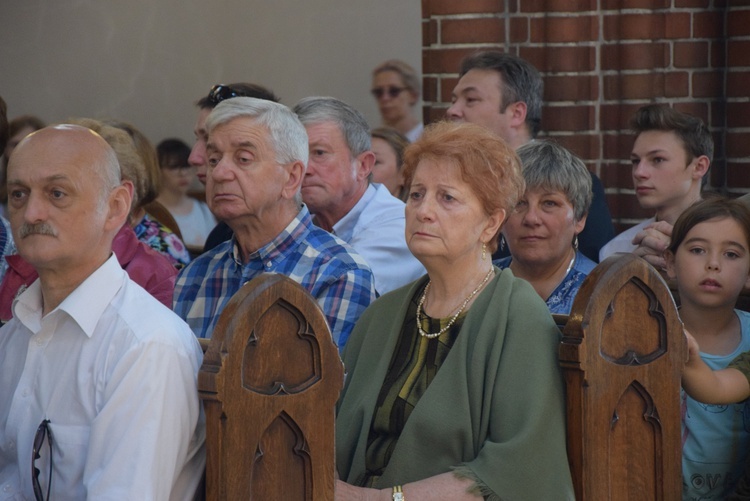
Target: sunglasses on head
pixel 392 92
pixel 42 432
pixel 220 92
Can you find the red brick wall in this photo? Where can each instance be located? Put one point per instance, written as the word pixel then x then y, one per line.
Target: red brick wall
pixel 603 59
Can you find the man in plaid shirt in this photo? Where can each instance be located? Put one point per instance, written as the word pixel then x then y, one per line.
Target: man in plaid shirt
pixel 257 155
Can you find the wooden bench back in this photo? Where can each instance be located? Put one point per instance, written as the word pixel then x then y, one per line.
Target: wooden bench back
pixel 270 379
pixel 622 354
pixel 271 376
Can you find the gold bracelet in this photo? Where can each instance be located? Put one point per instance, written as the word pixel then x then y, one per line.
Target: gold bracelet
pixel 398 493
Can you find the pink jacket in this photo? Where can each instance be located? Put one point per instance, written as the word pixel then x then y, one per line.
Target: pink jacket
pixel 145 266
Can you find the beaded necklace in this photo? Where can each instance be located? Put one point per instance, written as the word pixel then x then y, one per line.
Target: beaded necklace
pixel 433 335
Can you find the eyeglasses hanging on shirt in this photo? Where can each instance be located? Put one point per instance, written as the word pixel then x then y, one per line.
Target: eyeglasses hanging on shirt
pixel 42 432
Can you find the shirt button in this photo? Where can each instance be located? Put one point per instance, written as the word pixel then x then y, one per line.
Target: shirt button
pixel 26 393
pixel 268 264
pixel 6 488
pixel 39 342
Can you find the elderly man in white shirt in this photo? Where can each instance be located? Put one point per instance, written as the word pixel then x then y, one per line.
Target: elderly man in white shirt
pixel 337 190
pixel 98 397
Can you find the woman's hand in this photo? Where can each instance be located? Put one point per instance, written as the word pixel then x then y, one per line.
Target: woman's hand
pixel 348 492
pixel 445 486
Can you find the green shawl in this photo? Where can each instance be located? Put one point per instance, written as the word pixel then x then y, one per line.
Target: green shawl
pixel 495 408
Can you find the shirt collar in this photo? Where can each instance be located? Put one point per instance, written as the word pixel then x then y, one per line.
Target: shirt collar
pixel 296 230
pixel 85 304
pixel 344 227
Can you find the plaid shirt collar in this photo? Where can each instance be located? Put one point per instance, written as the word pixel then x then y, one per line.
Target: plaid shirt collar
pixel 274 250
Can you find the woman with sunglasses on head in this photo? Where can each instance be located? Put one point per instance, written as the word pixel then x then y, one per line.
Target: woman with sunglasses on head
pixel 396 87
pixel 193 217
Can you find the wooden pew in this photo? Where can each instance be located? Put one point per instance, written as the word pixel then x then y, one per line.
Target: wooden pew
pixel 271 376
pixel 622 353
pixel 269 383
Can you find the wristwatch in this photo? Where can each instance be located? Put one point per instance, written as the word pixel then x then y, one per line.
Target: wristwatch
pixel 398 493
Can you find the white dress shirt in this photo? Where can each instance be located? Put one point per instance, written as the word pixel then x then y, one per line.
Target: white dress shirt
pixel 415 133
pixel 115 373
pixel 624 241
pixel 375 227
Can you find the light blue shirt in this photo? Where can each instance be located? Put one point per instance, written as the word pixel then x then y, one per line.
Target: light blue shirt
pixel 715 438
pixel 376 227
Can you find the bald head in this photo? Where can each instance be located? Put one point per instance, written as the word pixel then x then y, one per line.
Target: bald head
pixel 76 146
pixel 66 201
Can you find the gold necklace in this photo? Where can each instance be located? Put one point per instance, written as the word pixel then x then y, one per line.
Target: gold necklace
pixel 430 335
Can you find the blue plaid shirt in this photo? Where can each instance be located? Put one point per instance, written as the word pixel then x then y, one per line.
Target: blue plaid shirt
pixel 328 268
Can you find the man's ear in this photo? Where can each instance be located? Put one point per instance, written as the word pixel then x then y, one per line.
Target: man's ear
pixel 365 163
pixel 701 166
pixel 295 175
pixel 118 205
pixel 518 113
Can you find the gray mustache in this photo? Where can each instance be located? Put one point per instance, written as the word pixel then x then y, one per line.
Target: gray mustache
pixel 37 229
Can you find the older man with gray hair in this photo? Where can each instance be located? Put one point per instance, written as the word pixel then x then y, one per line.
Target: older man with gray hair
pixel 257 156
pixel 338 191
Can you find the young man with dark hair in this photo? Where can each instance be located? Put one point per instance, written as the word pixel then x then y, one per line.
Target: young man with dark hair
pixel 671 156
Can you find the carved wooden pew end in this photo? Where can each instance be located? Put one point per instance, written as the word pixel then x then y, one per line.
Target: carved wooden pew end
pixel 271 376
pixel 269 383
pixel 622 354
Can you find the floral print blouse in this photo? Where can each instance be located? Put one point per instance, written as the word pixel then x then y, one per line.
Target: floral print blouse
pixel 163 240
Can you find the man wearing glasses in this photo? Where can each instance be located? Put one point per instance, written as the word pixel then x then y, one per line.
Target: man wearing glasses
pixel 98 397
pixel 504 93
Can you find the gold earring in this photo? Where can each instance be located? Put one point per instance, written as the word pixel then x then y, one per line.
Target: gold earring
pixel 484 251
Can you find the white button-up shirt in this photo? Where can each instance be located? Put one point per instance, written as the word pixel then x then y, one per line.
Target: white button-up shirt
pixel 375 227
pixel 115 373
